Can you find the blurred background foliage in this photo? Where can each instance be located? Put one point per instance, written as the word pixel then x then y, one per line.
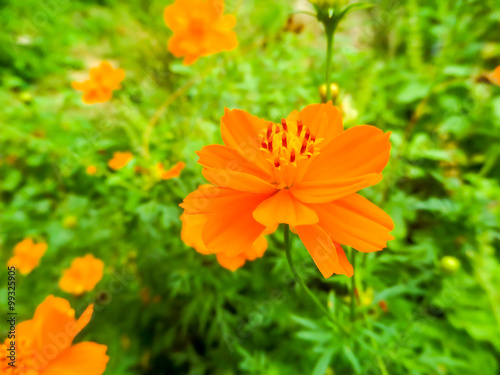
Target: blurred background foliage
pixel 429 304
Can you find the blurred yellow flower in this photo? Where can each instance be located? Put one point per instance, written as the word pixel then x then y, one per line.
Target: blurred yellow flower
pixel 103 80
pixel 27 255
pixel 120 160
pixel 44 343
pixel 82 276
pixel 91 170
pixel 175 171
pixel 192 232
pixel 200 29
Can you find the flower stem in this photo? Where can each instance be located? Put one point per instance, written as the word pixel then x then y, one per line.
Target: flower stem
pixel 286 238
pixel 330 32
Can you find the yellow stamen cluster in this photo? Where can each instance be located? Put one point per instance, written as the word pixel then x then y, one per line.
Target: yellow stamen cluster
pixel 288 142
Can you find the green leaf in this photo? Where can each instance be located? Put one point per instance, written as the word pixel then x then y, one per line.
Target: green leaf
pixel 353 359
pixel 323 362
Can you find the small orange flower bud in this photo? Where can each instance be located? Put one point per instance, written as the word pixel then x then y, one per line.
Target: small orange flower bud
pixel 91 170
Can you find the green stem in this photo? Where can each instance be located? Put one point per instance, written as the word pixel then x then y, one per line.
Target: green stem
pixel 330 32
pixel 353 286
pixel 286 237
pixel 490 163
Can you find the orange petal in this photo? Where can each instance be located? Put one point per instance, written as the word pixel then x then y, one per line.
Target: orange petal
pixel 238 181
pixel 323 251
pixel 86 358
pixel 257 249
pixel 118 76
pixel 324 120
pixel 82 86
pixel 226 158
pixel 175 171
pixel 176 15
pixel 54 318
pixel 330 190
pixel 230 226
pixel 192 226
pixel 201 200
pixel 496 75
pixel 240 130
pixel 356 152
pixel 356 222
pixel 84 319
pixel 284 208
pixel 188 59
pixel 231 263
pixel 344 262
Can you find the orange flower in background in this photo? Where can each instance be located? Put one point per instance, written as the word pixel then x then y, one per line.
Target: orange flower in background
pixel 91 170
pixel 103 80
pixel 175 171
pixel 44 343
pixel 27 255
pixel 200 29
pixel 305 172
pixel 82 276
pixel 120 160
pixel 496 75
pixel 192 226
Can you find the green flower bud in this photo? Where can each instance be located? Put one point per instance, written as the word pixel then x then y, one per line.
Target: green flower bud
pixel 450 264
pixel 70 222
pixel 334 88
pixel 26 97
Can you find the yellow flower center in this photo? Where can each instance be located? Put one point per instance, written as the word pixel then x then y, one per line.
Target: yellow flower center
pixel 288 142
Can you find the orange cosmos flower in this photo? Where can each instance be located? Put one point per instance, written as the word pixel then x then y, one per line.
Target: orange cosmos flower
pixel 200 29
pixel 191 234
pixel 44 343
pixel 27 255
pixel 91 170
pixel 305 172
pixel 175 171
pixel 496 75
pixel 82 276
pixel 103 80
pixel 120 160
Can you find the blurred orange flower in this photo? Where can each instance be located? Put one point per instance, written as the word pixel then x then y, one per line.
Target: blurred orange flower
pixel 496 75
pixel 175 171
pixel 82 276
pixel 44 343
pixel 200 29
pixel 91 170
pixel 305 172
pixel 191 234
pixel 27 255
pixel 120 160
pixel 103 80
